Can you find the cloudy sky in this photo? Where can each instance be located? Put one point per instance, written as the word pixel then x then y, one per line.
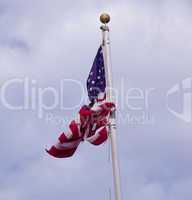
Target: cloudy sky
pixel 44 42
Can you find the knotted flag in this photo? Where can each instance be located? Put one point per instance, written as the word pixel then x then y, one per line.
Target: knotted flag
pixel 91 125
pixel 92 121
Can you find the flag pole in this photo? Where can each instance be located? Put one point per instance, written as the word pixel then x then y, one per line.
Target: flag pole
pixel 105 18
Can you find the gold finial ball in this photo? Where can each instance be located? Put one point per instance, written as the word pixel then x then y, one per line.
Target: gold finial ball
pixel 105 18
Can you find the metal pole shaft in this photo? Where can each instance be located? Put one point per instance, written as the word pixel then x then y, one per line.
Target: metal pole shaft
pixel 112 126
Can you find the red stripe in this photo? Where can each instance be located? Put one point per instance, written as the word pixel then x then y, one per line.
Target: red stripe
pixel 58 153
pixel 103 136
pixel 63 138
pixel 74 129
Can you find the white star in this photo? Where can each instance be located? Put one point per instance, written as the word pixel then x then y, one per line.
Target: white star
pixel 98 77
pixel 92 82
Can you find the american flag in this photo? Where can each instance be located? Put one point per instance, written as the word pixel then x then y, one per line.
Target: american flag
pixel 92 121
pixel 96 82
pixel 91 125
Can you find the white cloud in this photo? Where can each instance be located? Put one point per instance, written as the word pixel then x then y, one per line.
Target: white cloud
pixel 51 40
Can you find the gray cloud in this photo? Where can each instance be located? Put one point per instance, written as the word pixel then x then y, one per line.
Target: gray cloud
pixel 49 41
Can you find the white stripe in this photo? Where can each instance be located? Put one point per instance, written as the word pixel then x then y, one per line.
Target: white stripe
pixel 69 134
pixel 95 136
pixel 113 109
pixel 78 123
pixel 96 107
pixel 86 132
pixel 67 145
pixel 77 120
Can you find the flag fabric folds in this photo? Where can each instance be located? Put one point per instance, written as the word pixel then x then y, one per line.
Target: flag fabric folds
pixel 67 142
pixel 91 125
pixel 92 120
pixel 96 82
